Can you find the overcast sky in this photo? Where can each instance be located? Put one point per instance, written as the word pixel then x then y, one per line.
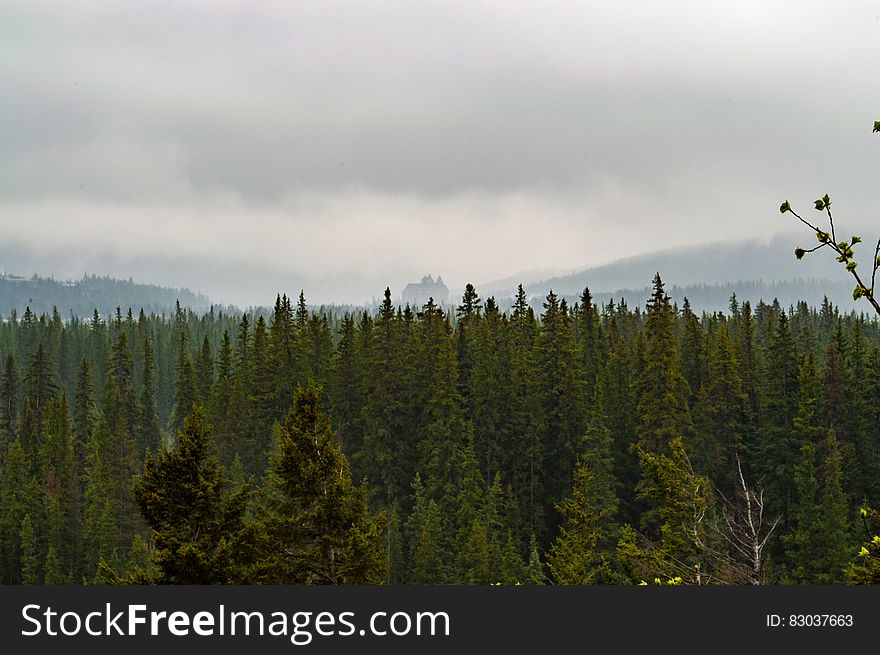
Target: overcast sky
pixel 236 147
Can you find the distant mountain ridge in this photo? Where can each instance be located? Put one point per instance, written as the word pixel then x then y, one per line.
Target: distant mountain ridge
pixel 707 275
pixel 82 297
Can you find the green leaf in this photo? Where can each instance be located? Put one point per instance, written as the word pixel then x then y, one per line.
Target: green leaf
pixel 851 266
pixel 785 207
pixel 827 200
pixel 856 240
pixel 799 252
pixel 877 126
pixel 858 292
pixel 820 204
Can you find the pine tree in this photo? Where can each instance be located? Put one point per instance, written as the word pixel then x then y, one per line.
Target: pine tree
pixel 27 538
pixel 61 486
pixel 682 549
pixel 83 414
pixel 522 455
pixel 195 521
pixel 9 402
pixel 39 388
pixel 777 451
pixel 316 528
pixel 619 411
pixel 693 356
pixel 320 348
pixel 467 313
pixel 20 496
pixel 561 388
pixel 100 535
pixel 575 558
pixel 596 455
pixel 345 394
pixel 220 401
pixel 489 405
pixel 204 373
pixel 724 409
pixel 185 392
pixel 817 549
pixel 263 404
pixel 661 389
pixel 53 575
pixel 535 570
pixel 148 431
pixel 591 342
pixel 394 549
pixel 835 403
pixel 443 431
pixel 427 558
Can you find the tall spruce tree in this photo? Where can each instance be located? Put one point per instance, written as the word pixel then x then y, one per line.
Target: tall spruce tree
pixel 316 528
pixel 196 522
pixel 662 391
pixel 9 403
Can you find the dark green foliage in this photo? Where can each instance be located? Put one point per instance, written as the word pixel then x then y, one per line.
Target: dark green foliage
pixel 194 520
pixel 471 426
pixel 661 389
pixel 576 557
pixel 9 402
pixel 428 558
pixel 819 548
pixel 315 528
pixel 683 497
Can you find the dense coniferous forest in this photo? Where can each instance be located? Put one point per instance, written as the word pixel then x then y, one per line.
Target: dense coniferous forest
pixel 81 297
pixel 577 444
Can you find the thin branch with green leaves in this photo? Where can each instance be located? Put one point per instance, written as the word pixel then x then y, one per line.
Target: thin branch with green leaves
pixel 843 249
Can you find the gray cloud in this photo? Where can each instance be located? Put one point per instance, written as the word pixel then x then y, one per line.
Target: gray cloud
pixel 387 138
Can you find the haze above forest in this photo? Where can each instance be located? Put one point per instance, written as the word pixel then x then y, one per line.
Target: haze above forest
pixel 238 148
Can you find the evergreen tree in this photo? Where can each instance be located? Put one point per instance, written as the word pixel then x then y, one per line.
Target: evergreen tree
pixel 316 529
pixel 661 389
pixel 682 550
pixel 83 415
pixel 818 549
pixel 562 401
pixel 185 392
pixel 591 342
pixel 693 356
pixel 723 406
pixel 9 402
pixel 427 557
pixel 27 538
pixel 20 496
pixel 575 558
pixel 148 431
pixel 777 451
pixel 535 570
pixel 220 401
pixel 204 373
pixel 195 521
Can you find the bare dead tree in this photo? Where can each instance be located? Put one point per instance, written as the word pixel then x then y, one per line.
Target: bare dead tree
pixel 744 527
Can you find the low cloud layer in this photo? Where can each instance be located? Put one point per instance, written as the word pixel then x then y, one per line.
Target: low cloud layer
pixel 349 145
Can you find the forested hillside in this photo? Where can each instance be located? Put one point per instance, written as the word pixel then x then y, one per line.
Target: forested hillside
pixel 81 297
pixel 579 444
pixel 716 297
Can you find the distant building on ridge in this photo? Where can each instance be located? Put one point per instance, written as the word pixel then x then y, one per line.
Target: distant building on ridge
pixel 416 294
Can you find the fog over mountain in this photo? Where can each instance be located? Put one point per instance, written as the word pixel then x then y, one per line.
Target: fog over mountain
pixel 707 275
pixel 239 148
